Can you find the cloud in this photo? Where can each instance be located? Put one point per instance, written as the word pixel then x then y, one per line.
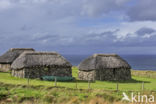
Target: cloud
pixel 105 36
pixel 102 7
pixel 142 37
pixel 144 10
pixel 72 26
pixel 145 30
pixel 4 4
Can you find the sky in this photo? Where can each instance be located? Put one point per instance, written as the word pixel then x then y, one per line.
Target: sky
pixel 79 26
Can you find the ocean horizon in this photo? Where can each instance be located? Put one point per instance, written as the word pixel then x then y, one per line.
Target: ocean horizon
pixel 137 62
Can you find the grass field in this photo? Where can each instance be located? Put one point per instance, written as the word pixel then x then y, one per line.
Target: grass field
pixel 132 85
pixel 17 90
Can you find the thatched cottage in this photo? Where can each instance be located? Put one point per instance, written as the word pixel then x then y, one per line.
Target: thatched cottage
pixel 104 67
pixel 39 64
pixel 7 58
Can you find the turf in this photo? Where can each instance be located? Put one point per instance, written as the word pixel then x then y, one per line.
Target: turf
pixel 133 85
pixel 17 90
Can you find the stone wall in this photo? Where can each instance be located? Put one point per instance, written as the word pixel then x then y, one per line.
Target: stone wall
pixel 122 74
pixel 18 73
pixel 87 75
pixel 38 72
pixel 106 74
pixel 113 74
pixel 5 67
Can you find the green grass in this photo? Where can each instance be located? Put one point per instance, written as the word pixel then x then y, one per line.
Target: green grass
pixel 145 73
pixel 46 95
pixel 132 85
pixel 16 90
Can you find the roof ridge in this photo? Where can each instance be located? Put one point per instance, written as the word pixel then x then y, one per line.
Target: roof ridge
pixel 105 55
pixel 41 53
pixel 12 49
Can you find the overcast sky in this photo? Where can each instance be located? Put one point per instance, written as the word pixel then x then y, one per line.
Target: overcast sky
pixel 79 26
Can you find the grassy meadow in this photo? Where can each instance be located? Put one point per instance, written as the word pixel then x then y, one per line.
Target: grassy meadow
pixel 16 90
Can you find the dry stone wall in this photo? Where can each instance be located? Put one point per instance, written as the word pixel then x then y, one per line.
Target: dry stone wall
pixel 18 73
pixel 5 67
pixel 106 74
pixel 87 75
pixel 38 72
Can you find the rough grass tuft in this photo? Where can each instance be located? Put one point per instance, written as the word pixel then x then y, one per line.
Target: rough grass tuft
pixel 15 90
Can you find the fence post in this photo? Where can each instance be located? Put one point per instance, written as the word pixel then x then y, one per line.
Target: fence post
pixel 76 84
pixel 55 81
pixel 88 84
pixel 117 86
pixel 142 86
pixel 28 80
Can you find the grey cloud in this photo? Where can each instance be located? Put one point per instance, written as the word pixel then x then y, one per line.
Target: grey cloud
pixel 43 36
pixel 25 19
pixel 144 10
pixel 62 7
pixel 52 25
pixel 102 7
pixel 144 37
pixel 145 30
pixel 105 36
pixel 99 39
pixel 105 33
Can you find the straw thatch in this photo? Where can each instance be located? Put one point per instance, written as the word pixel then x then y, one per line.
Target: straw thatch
pixel 12 54
pixel 103 61
pixel 105 66
pixel 40 59
pixel 7 58
pixel 39 64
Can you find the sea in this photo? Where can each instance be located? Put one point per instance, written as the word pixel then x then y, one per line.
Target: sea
pixel 137 62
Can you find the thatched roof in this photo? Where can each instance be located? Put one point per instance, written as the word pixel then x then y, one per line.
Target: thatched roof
pixel 12 54
pixel 40 59
pixel 98 61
